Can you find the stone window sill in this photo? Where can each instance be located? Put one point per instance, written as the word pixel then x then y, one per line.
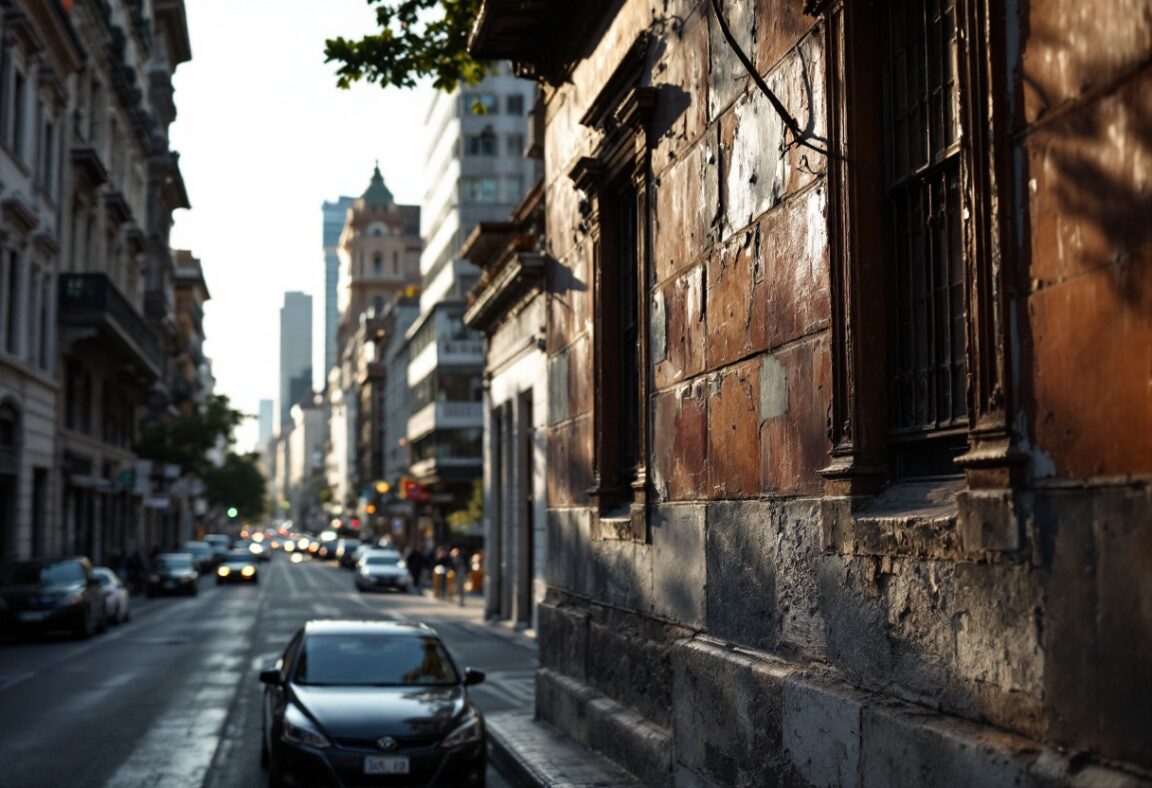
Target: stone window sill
pixel 924 520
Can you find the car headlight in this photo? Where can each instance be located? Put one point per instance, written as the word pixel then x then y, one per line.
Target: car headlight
pixel 223 571
pixel 153 578
pixel 471 731
pixel 73 598
pixel 298 734
pixel 248 571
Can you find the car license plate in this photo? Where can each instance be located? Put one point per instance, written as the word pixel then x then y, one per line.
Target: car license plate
pixel 385 764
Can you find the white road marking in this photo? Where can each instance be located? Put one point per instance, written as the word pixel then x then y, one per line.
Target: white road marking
pixel 12 679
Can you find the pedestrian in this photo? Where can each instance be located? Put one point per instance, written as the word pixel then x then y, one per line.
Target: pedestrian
pixel 135 569
pixel 459 566
pixel 416 562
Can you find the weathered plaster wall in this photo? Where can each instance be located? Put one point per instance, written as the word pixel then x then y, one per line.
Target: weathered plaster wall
pixel 766 634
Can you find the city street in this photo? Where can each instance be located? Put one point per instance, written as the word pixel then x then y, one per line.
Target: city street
pixel 172 698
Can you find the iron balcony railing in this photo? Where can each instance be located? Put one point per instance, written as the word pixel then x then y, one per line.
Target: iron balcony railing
pixel 92 299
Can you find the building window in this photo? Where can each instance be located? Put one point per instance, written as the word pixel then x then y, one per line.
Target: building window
pixel 49 154
pixel 616 180
pixel 482 144
pixel 515 104
pixel 479 191
pixel 515 144
pixel 377 264
pixel 916 259
pixel 17 135
pixel 13 301
pixel 513 188
pixel 395 262
pixel 77 397
pixel 927 422
pixel 480 103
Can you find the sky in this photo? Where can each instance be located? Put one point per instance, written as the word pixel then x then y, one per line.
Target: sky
pixel 265 137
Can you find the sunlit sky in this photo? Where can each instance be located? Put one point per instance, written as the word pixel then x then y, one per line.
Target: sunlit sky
pixel 265 137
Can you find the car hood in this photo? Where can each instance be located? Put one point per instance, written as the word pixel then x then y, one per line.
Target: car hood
pixel 175 574
pixel 360 712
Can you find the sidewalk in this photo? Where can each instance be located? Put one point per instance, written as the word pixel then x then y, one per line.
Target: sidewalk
pixel 525 751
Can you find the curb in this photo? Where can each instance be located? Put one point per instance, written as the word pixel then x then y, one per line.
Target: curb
pixel 532 754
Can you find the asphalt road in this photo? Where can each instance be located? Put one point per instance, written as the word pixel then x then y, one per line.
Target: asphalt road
pixel 171 699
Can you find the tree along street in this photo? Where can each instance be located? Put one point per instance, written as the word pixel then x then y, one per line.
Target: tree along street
pixel 172 697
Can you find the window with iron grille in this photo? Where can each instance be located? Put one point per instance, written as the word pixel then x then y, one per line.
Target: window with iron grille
pixel 925 272
pixel 622 204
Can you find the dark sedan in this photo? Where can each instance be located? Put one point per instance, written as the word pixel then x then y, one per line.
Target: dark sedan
pixel 53 594
pixel 371 703
pixel 237 566
pixel 174 573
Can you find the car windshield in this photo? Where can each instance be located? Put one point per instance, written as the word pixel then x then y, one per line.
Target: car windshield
pixel 374 660
pixel 197 548
pixel 174 562
pixel 382 560
pixel 49 572
pixel 238 559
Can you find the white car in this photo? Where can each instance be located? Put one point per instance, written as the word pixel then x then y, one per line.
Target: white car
pixel 115 595
pixel 382 569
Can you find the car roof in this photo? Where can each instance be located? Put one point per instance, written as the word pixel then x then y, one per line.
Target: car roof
pixel 327 626
pixel 176 555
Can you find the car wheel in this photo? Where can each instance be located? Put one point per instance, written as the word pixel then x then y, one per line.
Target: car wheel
pixel 84 629
pixel 103 625
pixel 275 775
pixel 127 615
pixel 263 750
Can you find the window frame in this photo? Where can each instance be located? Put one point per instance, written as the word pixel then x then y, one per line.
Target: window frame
pixel 861 457
pixel 621 113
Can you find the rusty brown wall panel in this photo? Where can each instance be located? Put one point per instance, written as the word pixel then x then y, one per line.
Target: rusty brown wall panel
pixel 779 25
pixel 1088 334
pixel 570 463
pixel 794 444
pixel 683 300
pixel 1090 187
pixel 794 243
pixel 736 295
pixel 734 433
pixel 1074 47
pixel 680 441
pixel 680 71
pixel 1092 376
pixel 686 203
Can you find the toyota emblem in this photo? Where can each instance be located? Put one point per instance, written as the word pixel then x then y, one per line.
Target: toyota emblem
pixel 386 743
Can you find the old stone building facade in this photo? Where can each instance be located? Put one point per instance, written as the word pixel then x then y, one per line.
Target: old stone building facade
pixel 88 308
pixel 849 436
pixel 507 305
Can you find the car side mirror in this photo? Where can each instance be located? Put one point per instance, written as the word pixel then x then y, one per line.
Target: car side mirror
pixel 473 676
pixel 270 676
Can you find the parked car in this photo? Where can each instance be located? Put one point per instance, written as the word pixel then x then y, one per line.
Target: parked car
pixel 346 552
pixel 115 594
pixel 257 549
pixel 219 543
pixel 382 569
pixel 46 594
pixel 174 573
pixel 371 702
pixel 202 552
pixel 239 566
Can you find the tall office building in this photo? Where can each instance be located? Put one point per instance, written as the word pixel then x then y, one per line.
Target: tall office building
pixel 267 408
pixel 335 214
pixel 479 174
pixel 295 351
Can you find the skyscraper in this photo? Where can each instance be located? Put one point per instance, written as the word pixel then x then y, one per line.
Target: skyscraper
pixel 267 408
pixel 295 351
pixel 335 214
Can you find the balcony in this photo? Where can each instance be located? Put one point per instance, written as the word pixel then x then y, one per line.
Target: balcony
pixel 445 352
pixel 92 301
pixel 445 416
